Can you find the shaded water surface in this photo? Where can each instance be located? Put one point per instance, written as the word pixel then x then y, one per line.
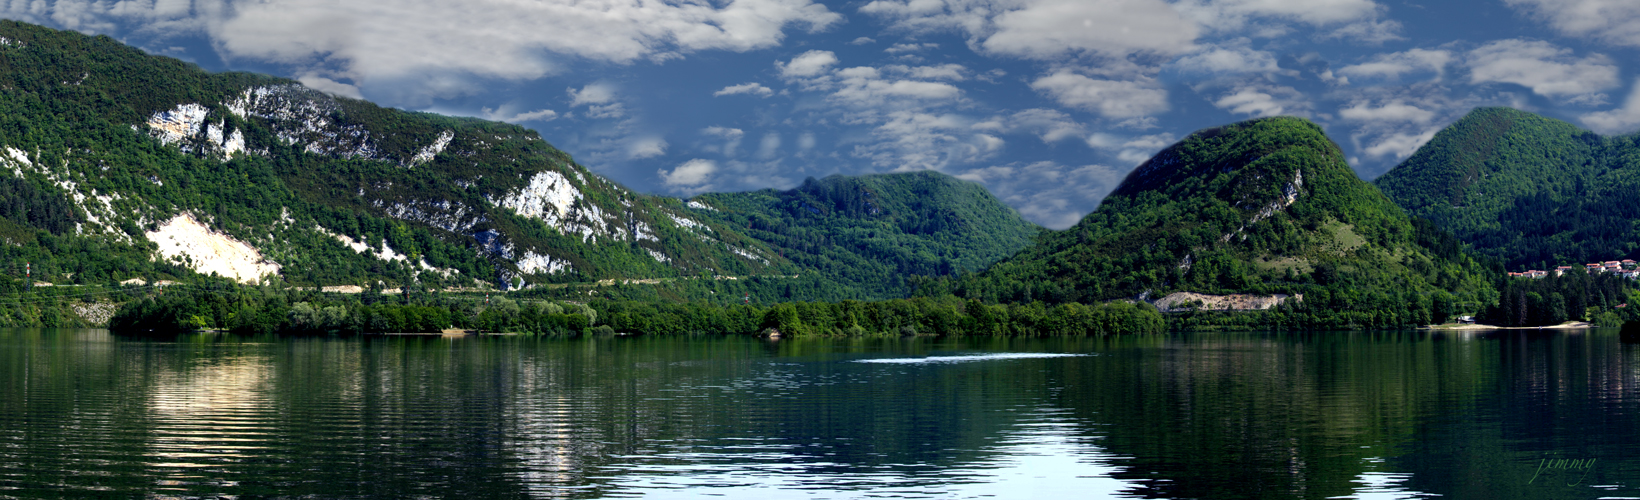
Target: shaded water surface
pixel 1210 415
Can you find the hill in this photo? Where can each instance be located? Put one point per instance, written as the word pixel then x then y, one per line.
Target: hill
pixel 1531 191
pixel 126 166
pixel 873 232
pixel 1263 207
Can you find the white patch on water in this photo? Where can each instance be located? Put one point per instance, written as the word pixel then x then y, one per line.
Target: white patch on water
pixel 976 357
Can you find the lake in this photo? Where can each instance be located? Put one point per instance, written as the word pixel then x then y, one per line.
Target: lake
pixel 1517 414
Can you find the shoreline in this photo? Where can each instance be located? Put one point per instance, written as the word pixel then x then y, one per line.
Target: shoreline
pixel 1569 325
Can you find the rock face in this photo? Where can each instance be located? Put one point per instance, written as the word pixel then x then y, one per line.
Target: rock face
pixel 186 240
pixel 1188 301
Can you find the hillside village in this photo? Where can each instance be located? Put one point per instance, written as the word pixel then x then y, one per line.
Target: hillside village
pixel 1625 268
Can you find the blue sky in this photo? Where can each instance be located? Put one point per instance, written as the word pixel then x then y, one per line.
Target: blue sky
pixel 1049 103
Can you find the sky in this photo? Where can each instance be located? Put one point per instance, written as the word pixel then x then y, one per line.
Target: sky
pixel 1048 103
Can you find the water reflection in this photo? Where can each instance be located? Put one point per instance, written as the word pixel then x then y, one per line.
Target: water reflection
pixel 1220 415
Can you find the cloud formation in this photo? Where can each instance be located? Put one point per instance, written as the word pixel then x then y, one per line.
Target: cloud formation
pixel 435 47
pixel 1547 69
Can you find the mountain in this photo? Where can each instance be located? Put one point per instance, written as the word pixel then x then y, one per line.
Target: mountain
pixel 126 166
pixel 1263 206
pixel 875 231
pixel 1531 191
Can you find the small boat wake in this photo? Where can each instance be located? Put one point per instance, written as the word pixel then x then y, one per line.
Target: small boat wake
pixel 964 359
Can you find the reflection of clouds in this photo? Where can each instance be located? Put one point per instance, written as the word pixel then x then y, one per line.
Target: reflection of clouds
pixel 214 412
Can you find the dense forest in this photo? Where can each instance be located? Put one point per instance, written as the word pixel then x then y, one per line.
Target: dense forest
pixel 1264 206
pixel 1531 191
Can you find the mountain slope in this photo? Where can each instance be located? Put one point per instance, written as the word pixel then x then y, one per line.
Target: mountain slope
pixel 1528 190
pixel 125 165
pixel 872 232
pixel 1262 206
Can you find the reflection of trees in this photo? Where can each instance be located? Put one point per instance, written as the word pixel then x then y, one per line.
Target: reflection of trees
pixel 1256 416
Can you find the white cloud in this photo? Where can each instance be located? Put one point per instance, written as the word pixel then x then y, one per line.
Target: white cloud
pixel 1131 150
pixel 1234 15
pixel 507 114
pixel 323 84
pixel 900 48
pixel 1392 112
pixel 1264 100
pixel 806 141
pixel 1111 98
pixel 1545 68
pixel 1393 65
pixel 808 64
pixel 862 41
pixel 436 47
pixel 646 147
pixel 1400 145
pixel 731 138
pixel 752 88
pixel 693 173
pixel 1048 29
pixel 1622 120
pixel 724 132
pixel 1611 21
pixel 769 146
pixel 596 93
pixel 1213 60
pixel 1051 125
pixel 1048 193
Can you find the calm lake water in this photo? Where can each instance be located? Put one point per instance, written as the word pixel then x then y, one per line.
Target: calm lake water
pixel 1208 415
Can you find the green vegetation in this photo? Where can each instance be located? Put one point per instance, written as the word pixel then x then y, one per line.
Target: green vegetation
pixel 1264 206
pixel 1533 192
pixel 1574 296
pixel 871 233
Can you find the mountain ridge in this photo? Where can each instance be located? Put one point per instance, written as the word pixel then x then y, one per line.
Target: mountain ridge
pixel 335 191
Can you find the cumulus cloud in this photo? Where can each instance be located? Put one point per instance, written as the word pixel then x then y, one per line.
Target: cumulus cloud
pixel 1621 120
pixel 1131 150
pixel 646 147
pixel 1392 112
pixel 1611 21
pixel 692 175
pixel 1399 145
pixel 1051 125
pixel 1048 29
pixel 1264 100
pixel 1356 19
pixel 753 88
pixel 1394 65
pixel 596 93
pixel 808 64
pixel 730 136
pixel 1054 195
pixel 509 115
pixel 1111 98
pixel 1547 69
pixel 334 87
pixel 435 46
pixel 1215 60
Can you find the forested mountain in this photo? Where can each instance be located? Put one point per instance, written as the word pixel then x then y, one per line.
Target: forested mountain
pixel 875 231
pixel 1262 206
pixel 127 165
pixel 1534 192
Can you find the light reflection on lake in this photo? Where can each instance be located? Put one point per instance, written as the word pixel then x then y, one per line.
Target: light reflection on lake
pixel 1370 415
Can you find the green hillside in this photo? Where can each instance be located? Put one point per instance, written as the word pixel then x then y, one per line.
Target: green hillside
pixel 1264 206
pixel 110 148
pixel 873 232
pixel 1534 192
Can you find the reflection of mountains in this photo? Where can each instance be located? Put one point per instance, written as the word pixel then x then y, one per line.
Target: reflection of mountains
pixel 1256 416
